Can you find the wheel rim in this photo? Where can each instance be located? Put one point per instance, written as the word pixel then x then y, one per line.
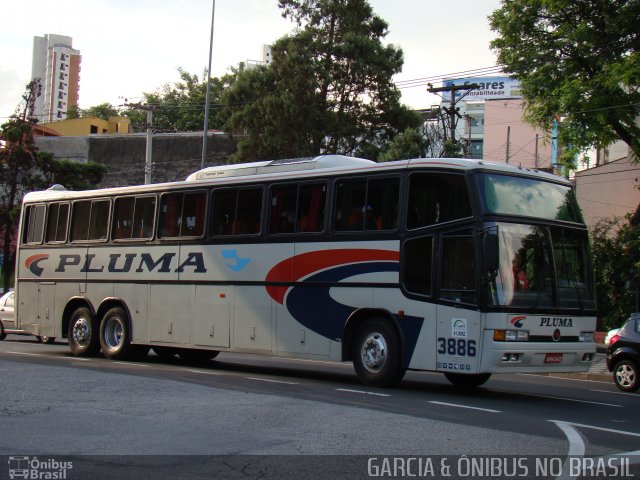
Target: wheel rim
pixel 625 376
pixel 81 332
pixel 112 335
pixel 374 352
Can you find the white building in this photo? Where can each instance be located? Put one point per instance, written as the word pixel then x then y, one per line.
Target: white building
pixel 57 65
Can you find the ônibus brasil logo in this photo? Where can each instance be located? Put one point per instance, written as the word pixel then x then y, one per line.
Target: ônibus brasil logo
pixel 33 263
pixel 517 321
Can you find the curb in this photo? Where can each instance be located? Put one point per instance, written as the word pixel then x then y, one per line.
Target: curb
pixel 594 377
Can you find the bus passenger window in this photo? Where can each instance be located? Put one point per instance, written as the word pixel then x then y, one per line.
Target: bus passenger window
pixel 458 270
pixel 57 220
pixel 99 223
pixel 367 205
pixel 79 221
pixel 34 224
pixel 122 215
pixel 436 198
pixel 282 218
pixel 311 204
pixel 237 211
pixel 192 223
pixel 143 216
pixel 416 262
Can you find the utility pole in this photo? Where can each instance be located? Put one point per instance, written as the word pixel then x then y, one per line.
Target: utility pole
pixel 508 141
pixel 452 111
pixel 536 159
pixel 206 107
pixel 148 161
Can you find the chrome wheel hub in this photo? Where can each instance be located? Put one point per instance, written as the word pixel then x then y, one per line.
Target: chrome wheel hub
pixel 374 352
pixel 81 332
pixel 625 375
pixel 113 333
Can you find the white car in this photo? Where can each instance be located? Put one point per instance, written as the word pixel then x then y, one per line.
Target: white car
pixel 8 319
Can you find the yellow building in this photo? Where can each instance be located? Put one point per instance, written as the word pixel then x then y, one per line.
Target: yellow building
pixel 79 127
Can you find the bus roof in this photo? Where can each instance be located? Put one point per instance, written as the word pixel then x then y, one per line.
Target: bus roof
pixel 284 169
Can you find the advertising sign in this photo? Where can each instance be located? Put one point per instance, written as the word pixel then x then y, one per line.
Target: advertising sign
pixel 490 87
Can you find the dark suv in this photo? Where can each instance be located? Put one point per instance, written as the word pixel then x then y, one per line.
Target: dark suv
pixel 623 355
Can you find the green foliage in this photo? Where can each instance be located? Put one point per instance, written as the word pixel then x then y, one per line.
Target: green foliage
pixel 615 245
pixel 24 168
pixel 409 144
pixel 72 175
pixel 578 63
pixel 103 111
pixel 180 107
pixel 328 89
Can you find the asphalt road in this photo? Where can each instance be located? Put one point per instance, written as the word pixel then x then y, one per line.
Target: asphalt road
pixel 109 415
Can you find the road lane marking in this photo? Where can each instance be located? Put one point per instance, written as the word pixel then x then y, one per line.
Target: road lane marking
pixel 577 446
pixel 574 400
pixel 614 393
pixel 29 354
pixel 132 364
pixel 560 378
pixel 456 405
pixel 77 359
pixel 205 373
pixel 363 392
pixel 593 427
pixel 271 381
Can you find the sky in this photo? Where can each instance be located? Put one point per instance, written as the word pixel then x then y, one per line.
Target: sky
pixel 129 47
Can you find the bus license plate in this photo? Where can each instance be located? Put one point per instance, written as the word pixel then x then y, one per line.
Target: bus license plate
pixel 553 358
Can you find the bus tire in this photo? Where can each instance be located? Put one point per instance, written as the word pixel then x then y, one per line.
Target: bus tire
pixel 197 356
pixel 467 381
pixel 83 333
pixel 45 339
pixel 115 339
pixel 376 354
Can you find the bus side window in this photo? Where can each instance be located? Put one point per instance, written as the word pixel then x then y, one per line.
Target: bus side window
pixel 57 220
pixel 311 208
pixel 34 224
pixel 99 223
pixel 436 198
pixel 417 263
pixel 122 218
pixel 367 205
pixel 458 270
pixel 237 211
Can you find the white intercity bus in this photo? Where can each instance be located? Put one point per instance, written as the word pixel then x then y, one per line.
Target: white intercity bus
pixel 458 266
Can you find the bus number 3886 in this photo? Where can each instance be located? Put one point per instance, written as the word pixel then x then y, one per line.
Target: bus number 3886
pixel 457 346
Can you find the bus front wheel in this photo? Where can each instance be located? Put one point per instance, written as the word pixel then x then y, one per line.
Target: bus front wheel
pixel 467 381
pixel 114 335
pixel 376 354
pixel 83 333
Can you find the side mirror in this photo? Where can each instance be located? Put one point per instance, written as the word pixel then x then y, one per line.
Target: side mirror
pixel 490 250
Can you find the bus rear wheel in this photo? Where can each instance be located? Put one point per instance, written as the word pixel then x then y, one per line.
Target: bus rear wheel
pixel 467 381
pixel 83 333
pixel 377 358
pixel 115 339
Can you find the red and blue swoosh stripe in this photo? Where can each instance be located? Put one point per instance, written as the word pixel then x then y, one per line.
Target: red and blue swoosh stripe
pixel 302 282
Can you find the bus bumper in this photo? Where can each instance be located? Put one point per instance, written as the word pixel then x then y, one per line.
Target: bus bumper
pixel 529 357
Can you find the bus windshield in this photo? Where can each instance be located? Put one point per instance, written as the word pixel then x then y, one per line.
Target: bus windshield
pixel 542 267
pixel 509 195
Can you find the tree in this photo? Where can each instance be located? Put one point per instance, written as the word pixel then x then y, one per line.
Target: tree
pixel 103 111
pixel 409 144
pixel 328 88
pixel 615 246
pixel 180 107
pixel 578 65
pixel 24 168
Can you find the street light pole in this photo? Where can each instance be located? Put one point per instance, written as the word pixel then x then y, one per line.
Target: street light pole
pixel 206 107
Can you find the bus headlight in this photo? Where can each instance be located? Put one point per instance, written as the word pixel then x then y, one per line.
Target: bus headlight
pixel 586 337
pixel 511 335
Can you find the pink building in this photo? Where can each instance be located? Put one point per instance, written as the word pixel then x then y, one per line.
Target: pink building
pixel 507 135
